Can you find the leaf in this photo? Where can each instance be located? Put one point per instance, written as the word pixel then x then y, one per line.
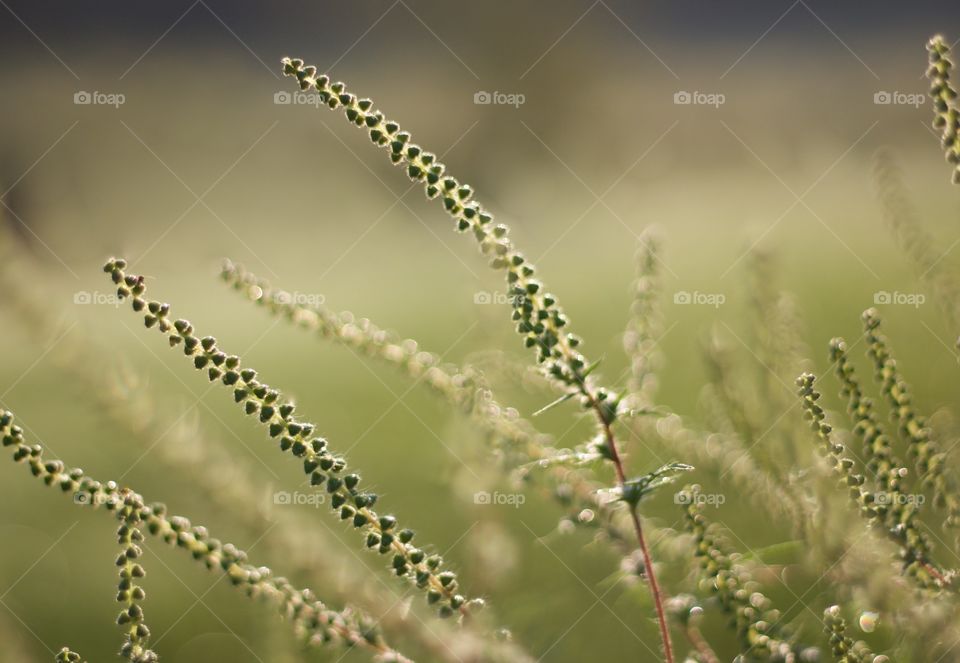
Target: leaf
pixel 655 411
pixel 563 399
pixel 574 458
pixel 636 489
pixel 551 405
pixel 592 367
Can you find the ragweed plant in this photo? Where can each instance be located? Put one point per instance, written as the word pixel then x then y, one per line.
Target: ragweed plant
pixel 758 624
pixel 877 450
pixel 538 317
pixel 464 387
pixel 66 655
pixel 912 541
pixel 522 449
pixel 929 460
pixel 646 325
pixel 221 476
pixel 844 649
pixel 914 240
pixel 129 510
pixel 685 610
pixel 322 466
pixel 946 117
pixel 314 623
pixel 744 405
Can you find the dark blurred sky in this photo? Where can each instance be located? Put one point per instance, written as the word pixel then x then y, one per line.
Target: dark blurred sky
pixel 77 20
pixel 72 29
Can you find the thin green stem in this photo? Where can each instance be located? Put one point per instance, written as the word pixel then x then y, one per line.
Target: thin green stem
pixel 649 571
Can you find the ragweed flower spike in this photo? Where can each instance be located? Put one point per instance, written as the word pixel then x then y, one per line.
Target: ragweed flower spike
pixel 66 655
pixel 844 649
pixel 946 116
pixel 758 624
pixel 916 243
pixel 913 543
pixel 465 387
pixel 877 450
pixel 517 443
pixel 313 622
pixel 929 460
pixel 539 319
pixel 126 505
pixel 641 337
pixel 322 467
pixel 224 479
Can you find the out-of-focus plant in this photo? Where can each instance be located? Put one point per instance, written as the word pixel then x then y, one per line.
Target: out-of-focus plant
pixel 314 622
pixel 946 117
pixel 323 467
pixel 538 317
pixel 754 448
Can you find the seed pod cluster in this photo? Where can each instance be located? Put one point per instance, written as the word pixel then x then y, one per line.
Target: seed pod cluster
pixel 465 387
pixel 322 466
pixel 128 509
pixel 844 649
pixel 929 461
pixel 946 117
pixel 758 624
pixel 312 620
pixel 514 439
pixel 642 336
pixel 913 543
pixel 538 317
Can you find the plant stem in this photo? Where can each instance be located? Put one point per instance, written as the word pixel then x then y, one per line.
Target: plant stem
pixel 638 528
pixel 703 648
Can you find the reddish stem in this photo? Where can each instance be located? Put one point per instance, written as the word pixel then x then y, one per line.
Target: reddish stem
pixel 647 560
pixel 932 570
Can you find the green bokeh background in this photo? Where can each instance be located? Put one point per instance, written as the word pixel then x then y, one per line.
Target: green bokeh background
pixel 301 198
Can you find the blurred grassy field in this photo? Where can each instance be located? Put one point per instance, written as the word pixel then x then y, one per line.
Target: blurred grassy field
pixel 302 199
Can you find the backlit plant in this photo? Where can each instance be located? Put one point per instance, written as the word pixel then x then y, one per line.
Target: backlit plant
pixel 758 453
pixel 946 115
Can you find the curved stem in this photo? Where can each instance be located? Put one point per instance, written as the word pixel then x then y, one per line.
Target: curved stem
pixel 638 528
